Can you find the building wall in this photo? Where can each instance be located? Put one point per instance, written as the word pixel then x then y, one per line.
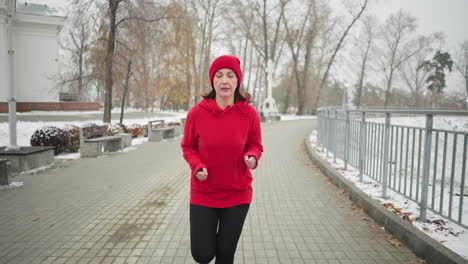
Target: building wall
pixel 36 53
pixel 35 59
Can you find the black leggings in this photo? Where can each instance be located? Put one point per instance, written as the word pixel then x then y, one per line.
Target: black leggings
pixel 208 239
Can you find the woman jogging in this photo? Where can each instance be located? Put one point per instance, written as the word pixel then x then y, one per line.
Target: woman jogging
pixel 222 142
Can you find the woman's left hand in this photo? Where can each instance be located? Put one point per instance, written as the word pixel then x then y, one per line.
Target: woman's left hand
pixel 250 161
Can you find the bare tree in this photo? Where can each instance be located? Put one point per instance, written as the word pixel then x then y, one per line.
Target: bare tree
pixel 356 16
pixel 398 45
pixel 206 11
pixel 364 45
pixel 413 75
pixel 113 23
pixel 302 39
pixel 77 36
pixel 461 64
pixel 261 25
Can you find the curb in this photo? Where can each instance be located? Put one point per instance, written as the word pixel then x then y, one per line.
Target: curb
pixel 423 245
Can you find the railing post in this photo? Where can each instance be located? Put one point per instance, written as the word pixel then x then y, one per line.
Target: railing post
pixel 346 142
pixel 427 158
pixel 385 154
pixel 362 145
pixel 335 136
pixel 320 128
pixel 323 129
pixel 328 131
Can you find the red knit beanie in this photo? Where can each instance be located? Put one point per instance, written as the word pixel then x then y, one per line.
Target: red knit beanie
pixel 226 61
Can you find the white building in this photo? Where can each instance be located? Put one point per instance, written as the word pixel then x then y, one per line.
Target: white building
pixel 35 33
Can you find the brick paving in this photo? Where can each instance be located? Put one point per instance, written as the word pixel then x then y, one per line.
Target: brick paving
pixel 132 207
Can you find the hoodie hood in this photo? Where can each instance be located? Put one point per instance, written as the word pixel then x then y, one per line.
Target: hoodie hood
pixel 211 106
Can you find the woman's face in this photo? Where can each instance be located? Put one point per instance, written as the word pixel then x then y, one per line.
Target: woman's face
pixel 225 82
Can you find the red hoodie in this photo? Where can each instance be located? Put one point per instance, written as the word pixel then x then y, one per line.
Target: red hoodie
pixel 218 140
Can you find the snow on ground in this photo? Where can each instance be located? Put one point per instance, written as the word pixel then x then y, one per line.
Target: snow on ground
pixel 295 117
pixel 448 233
pixel 26 129
pixel 457 123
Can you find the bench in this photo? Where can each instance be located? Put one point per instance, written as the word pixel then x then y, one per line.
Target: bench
pixel 93 139
pixel 178 128
pixel 5 172
pixel 157 131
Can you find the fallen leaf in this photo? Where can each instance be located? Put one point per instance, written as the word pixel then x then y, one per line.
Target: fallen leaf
pixel 387 205
pixel 340 191
pixel 443 241
pixel 36 218
pixel 406 218
pixel 425 228
pixel 367 219
pixel 394 242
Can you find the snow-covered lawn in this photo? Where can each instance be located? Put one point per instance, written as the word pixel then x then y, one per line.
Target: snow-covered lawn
pixel 448 233
pixel 25 130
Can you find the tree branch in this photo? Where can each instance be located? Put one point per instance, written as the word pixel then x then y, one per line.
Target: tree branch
pixel 145 19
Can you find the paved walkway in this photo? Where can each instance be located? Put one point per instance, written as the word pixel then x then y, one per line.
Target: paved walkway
pixel 133 208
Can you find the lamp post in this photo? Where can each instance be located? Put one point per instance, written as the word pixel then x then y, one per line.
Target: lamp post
pixel 11 75
pixel 345 89
pixel 424 100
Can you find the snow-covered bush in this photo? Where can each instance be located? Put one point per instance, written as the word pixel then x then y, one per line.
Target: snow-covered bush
pixel 136 130
pixel 74 140
pixel 93 125
pixel 114 129
pixel 51 136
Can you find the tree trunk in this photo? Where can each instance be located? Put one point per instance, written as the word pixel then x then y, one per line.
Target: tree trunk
pixel 80 63
pixel 113 6
pixel 265 43
pixel 466 86
pixel 125 91
pixel 389 86
pixel 361 77
pixel 287 100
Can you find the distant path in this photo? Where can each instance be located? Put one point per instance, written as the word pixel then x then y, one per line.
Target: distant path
pixel 133 208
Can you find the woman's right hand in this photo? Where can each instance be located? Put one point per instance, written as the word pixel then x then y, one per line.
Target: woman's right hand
pixel 202 174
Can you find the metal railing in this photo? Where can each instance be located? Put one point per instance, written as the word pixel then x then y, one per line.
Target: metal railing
pixel 425 164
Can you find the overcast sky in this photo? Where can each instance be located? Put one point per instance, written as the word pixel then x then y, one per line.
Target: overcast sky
pixel 448 16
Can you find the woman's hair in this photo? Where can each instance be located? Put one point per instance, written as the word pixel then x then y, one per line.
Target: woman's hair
pixel 239 94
